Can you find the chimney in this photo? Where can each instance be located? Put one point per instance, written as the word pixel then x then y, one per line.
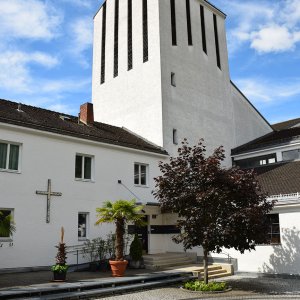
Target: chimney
pixel 86 115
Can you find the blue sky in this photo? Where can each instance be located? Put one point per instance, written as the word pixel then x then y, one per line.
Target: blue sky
pixel 46 53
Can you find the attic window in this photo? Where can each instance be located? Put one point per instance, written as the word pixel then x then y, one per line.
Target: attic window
pixel 64 118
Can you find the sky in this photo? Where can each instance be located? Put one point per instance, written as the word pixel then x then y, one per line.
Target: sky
pixel 46 53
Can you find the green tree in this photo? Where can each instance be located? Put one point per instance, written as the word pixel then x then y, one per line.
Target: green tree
pixel 120 213
pixel 7 225
pixel 217 207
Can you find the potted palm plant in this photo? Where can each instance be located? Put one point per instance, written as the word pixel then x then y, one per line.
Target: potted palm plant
pixel 120 213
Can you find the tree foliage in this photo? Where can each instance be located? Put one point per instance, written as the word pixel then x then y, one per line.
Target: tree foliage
pixel 7 225
pixel 120 212
pixel 217 207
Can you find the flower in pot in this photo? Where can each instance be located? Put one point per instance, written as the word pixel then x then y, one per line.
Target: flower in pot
pixel 119 212
pixel 60 268
pixel 136 253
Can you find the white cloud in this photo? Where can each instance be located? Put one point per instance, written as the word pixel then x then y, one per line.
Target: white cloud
pixel 262 91
pixel 15 68
pixel 274 38
pixel 268 26
pixel 82 38
pixel 31 19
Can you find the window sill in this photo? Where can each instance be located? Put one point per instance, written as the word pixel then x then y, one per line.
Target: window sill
pixel 85 180
pixel 141 186
pixel 82 239
pixel 10 171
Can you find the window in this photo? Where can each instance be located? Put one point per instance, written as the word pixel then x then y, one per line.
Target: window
pixel 145 31
pixel 9 156
pixel 254 162
pixel 140 174
pixel 217 42
pixel 173 79
pixel 175 138
pixel 188 21
pixel 274 229
pixel 203 28
pixel 129 34
pixel 83 167
pixel 83 226
pixel 102 79
pixel 173 22
pixel 116 40
pixel 6 216
pixel 291 155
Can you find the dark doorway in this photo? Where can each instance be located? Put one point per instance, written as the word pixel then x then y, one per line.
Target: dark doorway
pixel 142 233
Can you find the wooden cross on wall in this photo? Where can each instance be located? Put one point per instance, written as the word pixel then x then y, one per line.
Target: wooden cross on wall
pixel 48 193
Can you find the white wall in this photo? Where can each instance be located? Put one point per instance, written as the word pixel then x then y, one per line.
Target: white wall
pixel 48 156
pixel 275 259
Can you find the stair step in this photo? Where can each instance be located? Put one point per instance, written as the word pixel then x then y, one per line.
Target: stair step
pixel 211 272
pixel 185 259
pixel 164 265
pixel 215 276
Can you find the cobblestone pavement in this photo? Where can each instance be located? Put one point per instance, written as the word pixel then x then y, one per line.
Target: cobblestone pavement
pixel 247 286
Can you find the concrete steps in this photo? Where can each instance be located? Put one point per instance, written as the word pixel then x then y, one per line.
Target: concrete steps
pixel 214 271
pixel 166 260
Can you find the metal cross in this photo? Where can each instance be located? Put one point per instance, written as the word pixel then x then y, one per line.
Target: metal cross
pixel 48 193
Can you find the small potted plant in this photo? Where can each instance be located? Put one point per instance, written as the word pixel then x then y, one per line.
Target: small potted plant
pixel 60 268
pixel 119 212
pixel 101 248
pixel 136 253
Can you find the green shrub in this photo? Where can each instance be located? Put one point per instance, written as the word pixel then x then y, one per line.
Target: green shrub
pixel 59 268
pixel 197 285
pixel 136 249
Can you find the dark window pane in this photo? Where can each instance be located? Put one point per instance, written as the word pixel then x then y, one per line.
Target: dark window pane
pixel 116 39
pixel 78 166
pixel 129 35
pixel 145 31
pixel 217 42
pixel 13 157
pixel 188 20
pixel 102 79
pixel 143 175
pixel 203 29
pixel 3 155
pixel 173 22
pixel 290 155
pixel 87 168
pixel 136 174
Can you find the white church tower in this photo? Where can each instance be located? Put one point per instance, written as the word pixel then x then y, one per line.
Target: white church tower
pixel 161 70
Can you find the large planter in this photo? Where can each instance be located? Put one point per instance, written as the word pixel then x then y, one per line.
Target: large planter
pixel 59 276
pixel 118 267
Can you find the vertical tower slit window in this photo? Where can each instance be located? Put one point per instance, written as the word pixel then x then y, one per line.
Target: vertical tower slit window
pixel 188 20
pixel 116 39
pixel 203 31
pixel 129 35
pixel 102 80
pixel 173 22
pixel 145 31
pixel 217 41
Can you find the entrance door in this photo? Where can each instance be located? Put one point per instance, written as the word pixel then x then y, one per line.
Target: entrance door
pixel 142 233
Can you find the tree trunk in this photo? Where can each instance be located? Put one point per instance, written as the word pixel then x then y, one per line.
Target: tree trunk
pixel 119 239
pixel 205 261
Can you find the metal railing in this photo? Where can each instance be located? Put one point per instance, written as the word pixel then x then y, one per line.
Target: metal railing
pixel 284 199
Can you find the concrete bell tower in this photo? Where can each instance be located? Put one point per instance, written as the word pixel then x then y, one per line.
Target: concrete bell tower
pixel 160 69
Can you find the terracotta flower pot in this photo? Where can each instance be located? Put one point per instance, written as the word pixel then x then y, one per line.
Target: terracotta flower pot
pixel 118 267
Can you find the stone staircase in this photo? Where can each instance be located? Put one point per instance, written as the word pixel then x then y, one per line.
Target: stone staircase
pixel 180 262
pixel 166 260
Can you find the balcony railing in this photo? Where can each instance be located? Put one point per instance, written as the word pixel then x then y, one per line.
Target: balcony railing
pixel 286 199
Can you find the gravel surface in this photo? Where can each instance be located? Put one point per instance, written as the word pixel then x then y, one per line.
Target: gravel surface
pixel 245 286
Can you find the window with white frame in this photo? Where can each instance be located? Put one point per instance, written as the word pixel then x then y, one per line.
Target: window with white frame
pixel 9 156
pixel 83 219
pixel 274 229
pixel 140 174
pixel 84 167
pixel 6 223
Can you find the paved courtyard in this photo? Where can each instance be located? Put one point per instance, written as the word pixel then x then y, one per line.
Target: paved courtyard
pixel 245 286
